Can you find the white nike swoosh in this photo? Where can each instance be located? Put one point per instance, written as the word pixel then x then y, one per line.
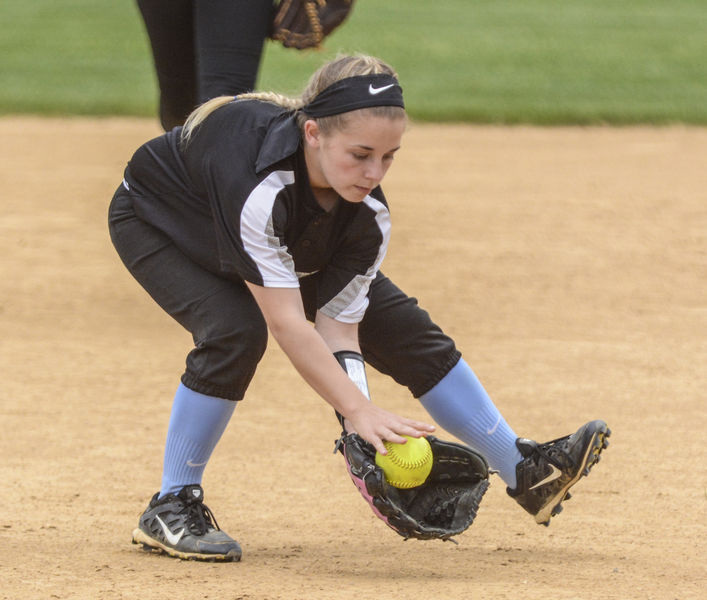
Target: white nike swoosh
pixel 172 538
pixel 373 91
pixel 495 427
pixel 193 464
pixel 556 473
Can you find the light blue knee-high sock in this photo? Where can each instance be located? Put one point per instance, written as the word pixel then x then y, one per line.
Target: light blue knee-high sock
pixel 195 427
pixel 460 405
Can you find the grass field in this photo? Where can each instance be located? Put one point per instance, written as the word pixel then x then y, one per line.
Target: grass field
pixel 506 61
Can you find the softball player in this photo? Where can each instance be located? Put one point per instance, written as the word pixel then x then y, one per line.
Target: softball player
pixel 265 212
pixel 204 49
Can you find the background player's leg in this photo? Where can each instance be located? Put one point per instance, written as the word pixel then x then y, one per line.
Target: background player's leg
pixel 229 40
pixel 170 27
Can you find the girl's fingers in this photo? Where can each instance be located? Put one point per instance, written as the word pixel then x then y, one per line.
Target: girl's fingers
pixel 415 429
pixel 387 436
pixel 392 428
pixel 395 438
pixel 420 426
pixel 379 446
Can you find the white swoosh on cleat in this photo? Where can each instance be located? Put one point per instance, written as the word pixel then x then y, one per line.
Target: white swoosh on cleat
pixel 172 538
pixel 555 474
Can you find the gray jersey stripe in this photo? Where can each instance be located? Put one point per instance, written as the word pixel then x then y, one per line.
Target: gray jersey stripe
pixel 277 247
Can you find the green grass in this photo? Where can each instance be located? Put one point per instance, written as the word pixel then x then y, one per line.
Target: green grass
pixel 74 57
pixel 493 61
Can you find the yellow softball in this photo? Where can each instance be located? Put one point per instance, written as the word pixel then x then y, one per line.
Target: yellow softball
pixel 406 465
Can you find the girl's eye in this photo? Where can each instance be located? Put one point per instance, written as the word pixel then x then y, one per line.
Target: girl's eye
pixel 360 156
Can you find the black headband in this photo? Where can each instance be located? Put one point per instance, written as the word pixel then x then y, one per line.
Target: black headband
pixel 352 93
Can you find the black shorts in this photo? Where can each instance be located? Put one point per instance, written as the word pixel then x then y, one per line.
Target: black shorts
pixel 396 336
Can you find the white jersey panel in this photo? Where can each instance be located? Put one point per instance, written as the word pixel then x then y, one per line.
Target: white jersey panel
pixel 272 259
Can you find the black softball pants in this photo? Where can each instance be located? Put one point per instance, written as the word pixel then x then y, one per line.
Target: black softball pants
pixel 203 49
pixel 396 336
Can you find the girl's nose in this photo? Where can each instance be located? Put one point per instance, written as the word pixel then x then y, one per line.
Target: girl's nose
pixel 374 171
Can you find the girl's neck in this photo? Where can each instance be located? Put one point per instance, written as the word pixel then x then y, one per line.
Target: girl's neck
pixel 325 197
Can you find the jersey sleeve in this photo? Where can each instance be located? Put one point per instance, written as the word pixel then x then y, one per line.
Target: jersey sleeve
pixel 248 235
pixel 344 285
pixel 262 243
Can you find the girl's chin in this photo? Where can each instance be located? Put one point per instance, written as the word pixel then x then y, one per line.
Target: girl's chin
pixel 359 193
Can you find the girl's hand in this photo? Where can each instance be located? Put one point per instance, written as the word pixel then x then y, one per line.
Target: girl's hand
pixel 376 425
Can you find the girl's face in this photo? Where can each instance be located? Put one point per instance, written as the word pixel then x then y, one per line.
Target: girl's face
pixel 354 160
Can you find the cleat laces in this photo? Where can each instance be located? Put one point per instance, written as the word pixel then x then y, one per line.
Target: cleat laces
pixel 554 452
pixel 198 517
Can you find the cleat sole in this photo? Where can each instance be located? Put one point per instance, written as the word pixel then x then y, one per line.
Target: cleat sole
pixel 155 547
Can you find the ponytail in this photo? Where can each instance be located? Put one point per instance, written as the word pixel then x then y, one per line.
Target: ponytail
pixel 200 113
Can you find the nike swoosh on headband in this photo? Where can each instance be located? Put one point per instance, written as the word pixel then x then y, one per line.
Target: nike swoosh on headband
pixel 374 91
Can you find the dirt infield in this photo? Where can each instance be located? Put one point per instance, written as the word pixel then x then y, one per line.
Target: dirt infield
pixel 569 264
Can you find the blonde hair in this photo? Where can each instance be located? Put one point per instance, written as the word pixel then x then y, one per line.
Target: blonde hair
pixel 343 66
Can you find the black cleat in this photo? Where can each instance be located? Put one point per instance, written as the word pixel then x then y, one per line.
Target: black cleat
pixel 549 470
pixel 183 526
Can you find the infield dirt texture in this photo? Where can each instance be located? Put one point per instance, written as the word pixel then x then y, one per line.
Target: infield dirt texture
pixel 569 264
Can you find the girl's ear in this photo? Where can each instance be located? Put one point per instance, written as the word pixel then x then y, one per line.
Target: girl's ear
pixel 311 133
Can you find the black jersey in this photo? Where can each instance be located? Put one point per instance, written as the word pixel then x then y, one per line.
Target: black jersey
pixel 237 200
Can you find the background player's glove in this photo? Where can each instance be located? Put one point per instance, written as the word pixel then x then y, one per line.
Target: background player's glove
pixel 305 23
pixel 444 506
